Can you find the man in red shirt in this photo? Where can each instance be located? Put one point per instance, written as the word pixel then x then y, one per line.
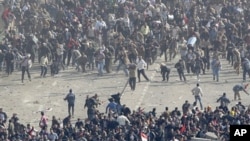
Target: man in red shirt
pixel 71 44
pixel 5 16
pixel 44 121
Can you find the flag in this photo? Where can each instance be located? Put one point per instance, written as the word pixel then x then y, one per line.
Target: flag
pixel 144 137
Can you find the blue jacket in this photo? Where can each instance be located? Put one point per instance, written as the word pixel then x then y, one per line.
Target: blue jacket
pixel 70 98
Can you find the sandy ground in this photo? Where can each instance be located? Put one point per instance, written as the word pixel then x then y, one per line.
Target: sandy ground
pixel 28 99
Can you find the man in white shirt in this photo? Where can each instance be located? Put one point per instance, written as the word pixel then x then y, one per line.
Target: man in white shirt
pixel 174 139
pixel 122 120
pixel 197 92
pixel 44 63
pixel 126 20
pixel 141 65
pixel 100 24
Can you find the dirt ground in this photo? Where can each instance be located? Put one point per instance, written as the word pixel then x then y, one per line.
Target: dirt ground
pixel 46 94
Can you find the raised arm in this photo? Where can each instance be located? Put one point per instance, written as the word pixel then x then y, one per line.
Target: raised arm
pixel 20 56
pixel 244 90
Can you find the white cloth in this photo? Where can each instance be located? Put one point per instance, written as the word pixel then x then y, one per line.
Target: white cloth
pixel 91 32
pixel 126 21
pixel 121 1
pixel 44 61
pixel 59 49
pixel 175 140
pixel 122 120
pixel 141 64
pixel 148 13
pixel 183 48
pixel 99 25
pixel 26 7
pixel 77 54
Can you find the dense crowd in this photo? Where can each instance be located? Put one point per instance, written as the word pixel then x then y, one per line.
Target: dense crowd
pixel 96 34
pixel 126 125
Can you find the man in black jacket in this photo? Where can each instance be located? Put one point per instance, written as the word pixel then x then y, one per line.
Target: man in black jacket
pixel 67 120
pixel 165 71
pixel 9 58
pixel 71 102
pixel 180 69
pixel 224 101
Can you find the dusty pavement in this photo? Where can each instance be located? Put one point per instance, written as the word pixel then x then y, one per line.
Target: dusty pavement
pixel 43 93
pixel 158 94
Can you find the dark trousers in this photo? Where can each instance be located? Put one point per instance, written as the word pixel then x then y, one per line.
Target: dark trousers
pixel 54 69
pixel 230 58
pixel 207 63
pixel 139 72
pixel 83 65
pixel 91 63
pixel 64 57
pixel 33 56
pixel 108 65
pixel 164 52
pixel 69 57
pixel 71 107
pixel 165 75
pixel 132 58
pixel 9 67
pixel 181 75
pixel 245 72
pixel 43 71
pixel 25 69
pixel 189 67
pixel 197 71
pixel 132 82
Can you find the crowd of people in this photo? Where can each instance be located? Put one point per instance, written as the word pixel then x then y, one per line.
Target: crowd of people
pixel 120 123
pixel 93 35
